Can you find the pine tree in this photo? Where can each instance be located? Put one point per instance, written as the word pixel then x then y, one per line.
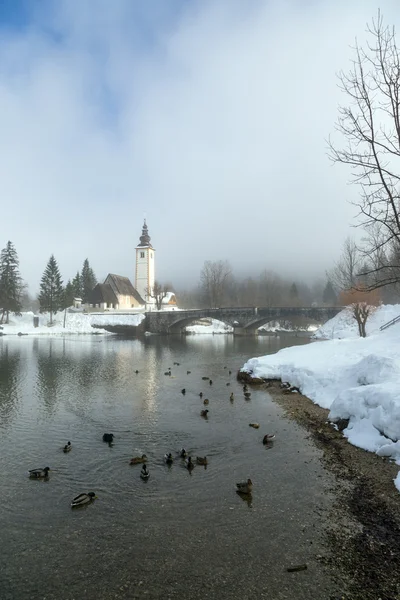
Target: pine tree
pixel 88 280
pixel 11 286
pixel 329 296
pixel 51 296
pixel 77 285
pixel 69 294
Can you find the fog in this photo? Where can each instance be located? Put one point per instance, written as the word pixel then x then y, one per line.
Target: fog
pixel 210 118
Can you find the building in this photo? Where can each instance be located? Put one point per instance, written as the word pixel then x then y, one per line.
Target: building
pixel 145 271
pixel 116 293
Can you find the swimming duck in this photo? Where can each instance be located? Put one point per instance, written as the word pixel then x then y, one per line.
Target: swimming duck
pixel 137 460
pixel 255 425
pixel 168 458
pixel 244 487
pixel 108 437
pixel 39 473
pixel 268 438
pixel 228 383
pixel 205 378
pixel 83 499
pixel 202 460
pixel 206 401
pixel 231 397
pixel 189 463
pixel 201 394
pixel 182 453
pixel 144 473
pixel 210 382
pixel 183 391
pixel 247 394
pixel 245 388
pixel 137 372
pixel 188 372
pixel 167 373
pixel 177 364
pixel 230 372
pixel 67 447
pixel 204 413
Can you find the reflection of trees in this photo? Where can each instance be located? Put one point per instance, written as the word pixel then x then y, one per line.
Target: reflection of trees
pixel 9 372
pixel 50 367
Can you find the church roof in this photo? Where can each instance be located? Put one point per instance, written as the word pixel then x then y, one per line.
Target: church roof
pixel 145 238
pixel 102 292
pixel 123 286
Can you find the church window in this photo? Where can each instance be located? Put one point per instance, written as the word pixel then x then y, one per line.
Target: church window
pixel 142 255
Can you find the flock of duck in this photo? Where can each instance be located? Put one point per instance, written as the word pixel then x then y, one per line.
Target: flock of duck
pixel 243 487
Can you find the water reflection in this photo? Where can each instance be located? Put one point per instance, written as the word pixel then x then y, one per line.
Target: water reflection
pixel 9 384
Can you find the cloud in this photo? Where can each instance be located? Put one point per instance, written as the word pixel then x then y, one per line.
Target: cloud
pixel 208 117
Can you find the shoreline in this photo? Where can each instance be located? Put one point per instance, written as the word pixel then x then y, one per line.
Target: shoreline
pixel 363 530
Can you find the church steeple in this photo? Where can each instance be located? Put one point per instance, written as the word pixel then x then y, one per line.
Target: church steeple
pixel 145 238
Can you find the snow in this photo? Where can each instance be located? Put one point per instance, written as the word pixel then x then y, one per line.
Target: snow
pixel 355 378
pixel 215 327
pixel 277 326
pixel 345 326
pixel 76 323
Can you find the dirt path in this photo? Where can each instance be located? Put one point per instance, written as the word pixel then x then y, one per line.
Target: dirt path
pixel 364 527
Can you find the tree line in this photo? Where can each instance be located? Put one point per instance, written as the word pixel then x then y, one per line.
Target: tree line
pixel 53 295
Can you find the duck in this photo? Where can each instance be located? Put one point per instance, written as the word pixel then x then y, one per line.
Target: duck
pixel 144 473
pixel 201 394
pixel 247 394
pixel 168 459
pixel 210 382
pixel 183 391
pixel 39 473
pixel 108 437
pixel 228 383
pixel 83 499
pixel 255 425
pixel 167 373
pixel 204 413
pixel 205 378
pixel 67 447
pixel 137 372
pixel 188 372
pixel 244 487
pixel 245 388
pixel 189 463
pixel 206 401
pixel 230 372
pixel 177 364
pixel 202 460
pixel 138 460
pixel 269 437
pixel 182 453
pixel 231 397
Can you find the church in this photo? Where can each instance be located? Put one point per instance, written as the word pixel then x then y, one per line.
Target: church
pixel 117 292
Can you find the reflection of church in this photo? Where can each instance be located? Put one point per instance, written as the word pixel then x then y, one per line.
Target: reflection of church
pixel 118 293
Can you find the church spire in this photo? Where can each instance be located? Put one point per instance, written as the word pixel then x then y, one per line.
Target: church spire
pixel 145 238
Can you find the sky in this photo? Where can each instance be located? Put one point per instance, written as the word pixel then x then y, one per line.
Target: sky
pixel 207 117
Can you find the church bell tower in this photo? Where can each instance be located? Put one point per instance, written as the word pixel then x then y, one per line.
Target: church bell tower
pixel 144 276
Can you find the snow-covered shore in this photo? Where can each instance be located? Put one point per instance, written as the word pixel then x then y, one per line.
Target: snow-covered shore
pixel 355 378
pixel 75 323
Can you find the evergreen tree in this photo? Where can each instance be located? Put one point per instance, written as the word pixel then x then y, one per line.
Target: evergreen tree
pixel 329 296
pixel 77 285
pixel 51 296
pixel 69 294
pixel 88 280
pixel 11 286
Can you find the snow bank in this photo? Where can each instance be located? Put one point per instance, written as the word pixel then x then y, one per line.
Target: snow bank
pixel 215 327
pixel 76 322
pixel 115 319
pixel 345 326
pixel 357 379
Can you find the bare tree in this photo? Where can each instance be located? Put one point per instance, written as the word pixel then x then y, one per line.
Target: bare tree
pixel 362 304
pixel 214 279
pixel 370 124
pixel 270 289
pixel 158 292
pixel 345 273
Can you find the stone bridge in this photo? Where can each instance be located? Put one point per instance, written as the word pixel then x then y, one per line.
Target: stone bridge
pixel 245 321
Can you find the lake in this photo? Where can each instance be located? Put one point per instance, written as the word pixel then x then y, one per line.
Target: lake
pixel 181 534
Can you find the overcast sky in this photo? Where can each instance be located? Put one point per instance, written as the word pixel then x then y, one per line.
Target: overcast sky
pixel 209 117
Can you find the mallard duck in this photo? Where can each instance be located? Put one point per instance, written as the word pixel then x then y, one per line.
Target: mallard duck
pixel 205 378
pixel 183 391
pixel 268 438
pixel 255 425
pixel 39 473
pixel 188 372
pixel 247 394
pixel 230 372
pixel 231 397
pixel 201 460
pixel 144 473
pixel 210 382
pixel 168 458
pixel 83 499
pixel 189 463
pixel 206 401
pixel 67 447
pixel 182 453
pixel 137 460
pixel 228 383
pixel 137 372
pixel 108 437
pixel 201 394
pixel 244 487
pixel 177 364
pixel 204 413
pixel 167 373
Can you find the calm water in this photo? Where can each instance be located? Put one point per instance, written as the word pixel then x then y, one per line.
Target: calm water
pixel 179 535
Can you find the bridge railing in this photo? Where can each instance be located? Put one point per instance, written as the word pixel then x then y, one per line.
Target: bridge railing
pixel 389 323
